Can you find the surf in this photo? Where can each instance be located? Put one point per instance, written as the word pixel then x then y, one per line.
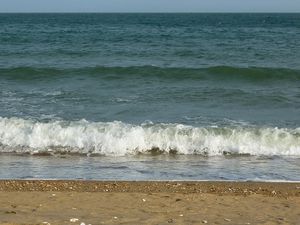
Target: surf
pixel 119 139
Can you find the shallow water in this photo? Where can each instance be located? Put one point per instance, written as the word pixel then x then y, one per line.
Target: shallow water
pixel 151 168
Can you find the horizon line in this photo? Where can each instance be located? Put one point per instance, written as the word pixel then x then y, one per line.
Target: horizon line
pixel 144 12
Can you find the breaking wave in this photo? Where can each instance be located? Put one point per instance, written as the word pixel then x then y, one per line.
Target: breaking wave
pixel 118 138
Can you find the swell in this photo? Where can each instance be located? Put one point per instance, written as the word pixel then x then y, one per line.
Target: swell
pixel 253 74
pixel 118 138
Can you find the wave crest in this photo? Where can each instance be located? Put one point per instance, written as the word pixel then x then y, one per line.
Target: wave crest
pixel 117 138
pixel 252 74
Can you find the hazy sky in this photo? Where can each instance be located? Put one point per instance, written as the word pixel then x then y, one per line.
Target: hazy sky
pixel 149 5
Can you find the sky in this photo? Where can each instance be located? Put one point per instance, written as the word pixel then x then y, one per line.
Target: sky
pixel 149 5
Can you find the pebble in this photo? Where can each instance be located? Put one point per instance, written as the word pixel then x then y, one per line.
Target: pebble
pixel 228 220
pixel 74 220
pixel 115 217
pixel 144 200
pixel 82 223
pixel 46 223
pixel 10 212
pixel 181 215
pixel 204 221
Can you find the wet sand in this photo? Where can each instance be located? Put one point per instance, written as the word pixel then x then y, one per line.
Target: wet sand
pixel 101 202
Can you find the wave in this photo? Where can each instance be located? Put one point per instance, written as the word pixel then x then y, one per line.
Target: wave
pixel 254 74
pixel 119 139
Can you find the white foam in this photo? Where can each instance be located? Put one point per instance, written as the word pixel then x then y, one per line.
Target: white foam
pixel 117 138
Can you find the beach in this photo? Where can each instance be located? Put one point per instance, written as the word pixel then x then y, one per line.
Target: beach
pixel 177 202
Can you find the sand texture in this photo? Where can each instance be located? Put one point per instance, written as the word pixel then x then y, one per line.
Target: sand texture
pixel 92 202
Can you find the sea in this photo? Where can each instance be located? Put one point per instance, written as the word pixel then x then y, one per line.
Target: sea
pixel 165 96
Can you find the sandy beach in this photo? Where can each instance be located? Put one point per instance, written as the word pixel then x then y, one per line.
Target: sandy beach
pixel 102 202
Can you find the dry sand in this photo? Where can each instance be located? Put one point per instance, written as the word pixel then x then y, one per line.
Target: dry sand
pixel 92 202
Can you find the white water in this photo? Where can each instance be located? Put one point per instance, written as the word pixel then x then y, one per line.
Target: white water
pixel 117 138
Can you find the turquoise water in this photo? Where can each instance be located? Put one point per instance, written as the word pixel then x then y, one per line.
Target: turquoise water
pixel 122 85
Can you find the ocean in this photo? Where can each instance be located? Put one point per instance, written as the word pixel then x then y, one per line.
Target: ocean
pixel 150 96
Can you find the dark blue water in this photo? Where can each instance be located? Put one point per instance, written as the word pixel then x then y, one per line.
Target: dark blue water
pixel 177 68
pixel 129 84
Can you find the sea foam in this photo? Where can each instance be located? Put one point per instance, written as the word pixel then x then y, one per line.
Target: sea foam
pixel 118 138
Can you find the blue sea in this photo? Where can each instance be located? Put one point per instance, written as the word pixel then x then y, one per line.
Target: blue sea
pixel 150 96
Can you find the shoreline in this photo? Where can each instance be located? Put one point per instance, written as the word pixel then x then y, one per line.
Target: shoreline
pixel 284 189
pixel 51 202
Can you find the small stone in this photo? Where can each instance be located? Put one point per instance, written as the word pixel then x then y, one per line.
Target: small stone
pixel 46 223
pixel 115 217
pixel 144 200
pixel 228 220
pixel 204 221
pixel 73 220
pixel 82 223
pixel 181 215
pixel 53 195
pixel 11 212
pixel 273 192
